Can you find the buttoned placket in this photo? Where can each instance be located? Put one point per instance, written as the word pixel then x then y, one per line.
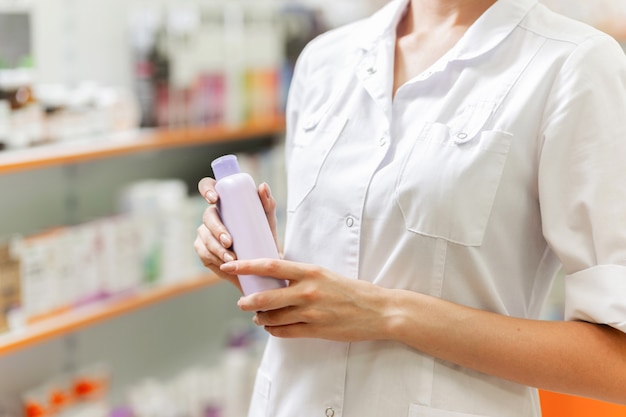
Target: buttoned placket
pixel 371 71
pixel 375 139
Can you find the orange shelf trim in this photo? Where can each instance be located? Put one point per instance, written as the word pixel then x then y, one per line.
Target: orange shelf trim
pixel 88 315
pixel 124 143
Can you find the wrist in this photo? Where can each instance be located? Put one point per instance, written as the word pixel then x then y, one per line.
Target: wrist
pixel 396 317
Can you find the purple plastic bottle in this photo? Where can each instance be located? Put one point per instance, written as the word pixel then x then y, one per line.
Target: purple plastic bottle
pixel 242 213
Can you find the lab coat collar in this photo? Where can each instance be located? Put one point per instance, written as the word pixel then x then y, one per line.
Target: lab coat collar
pixel 381 24
pixel 484 35
pixel 492 28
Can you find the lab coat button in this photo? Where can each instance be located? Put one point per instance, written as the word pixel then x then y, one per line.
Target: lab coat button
pixel 461 138
pixel 382 141
pixel 371 70
pixel 350 221
pixel 310 123
pixel 330 412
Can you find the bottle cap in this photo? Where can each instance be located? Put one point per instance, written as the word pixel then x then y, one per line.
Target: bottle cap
pixel 224 166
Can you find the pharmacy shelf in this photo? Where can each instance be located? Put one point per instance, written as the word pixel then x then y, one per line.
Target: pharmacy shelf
pixel 105 146
pixel 75 319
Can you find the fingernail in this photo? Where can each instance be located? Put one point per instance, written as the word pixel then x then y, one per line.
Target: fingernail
pixel 228 257
pixel 210 196
pixel 243 303
pixel 225 240
pixel 229 267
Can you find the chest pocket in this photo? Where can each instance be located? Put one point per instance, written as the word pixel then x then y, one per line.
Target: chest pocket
pixel 448 182
pixel 311 145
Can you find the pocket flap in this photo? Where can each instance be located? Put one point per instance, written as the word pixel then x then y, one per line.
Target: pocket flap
pixel 312 120
pixel 470 121
pixel 308 155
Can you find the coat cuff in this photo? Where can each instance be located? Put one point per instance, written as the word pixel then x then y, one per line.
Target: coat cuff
pixel 597 295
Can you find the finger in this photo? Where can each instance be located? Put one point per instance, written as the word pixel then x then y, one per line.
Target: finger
pixel 212 262
pixel 275 268
pixel 291 331
pixel 267 199
pixel 269 206
pixel 268 300
pixel 206 257
pixel 206 187
pixel 217 254
pixel 211 219
pixel 279 317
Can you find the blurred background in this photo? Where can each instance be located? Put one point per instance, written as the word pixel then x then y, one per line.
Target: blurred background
pixel 110 112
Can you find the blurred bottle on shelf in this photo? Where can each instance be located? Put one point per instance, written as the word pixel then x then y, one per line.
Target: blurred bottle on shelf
pixel 160 63
pixel 264 56
pixel 33 113
pixel 165 222
pixel 87 110
pixel 209 53
pixel 143 25
pixel 223 62
pixel 25 114
pixel 64 268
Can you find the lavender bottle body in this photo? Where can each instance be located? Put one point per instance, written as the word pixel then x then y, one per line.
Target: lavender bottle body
pixel 242 213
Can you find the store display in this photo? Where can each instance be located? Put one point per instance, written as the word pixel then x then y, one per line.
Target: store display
pixel 147 243
pixel 218 63
pixel 75 275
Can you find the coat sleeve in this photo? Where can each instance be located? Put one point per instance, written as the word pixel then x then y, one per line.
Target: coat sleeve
pixel 582 180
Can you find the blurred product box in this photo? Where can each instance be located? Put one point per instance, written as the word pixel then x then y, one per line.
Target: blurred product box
pixel 149 242
pixel 10 285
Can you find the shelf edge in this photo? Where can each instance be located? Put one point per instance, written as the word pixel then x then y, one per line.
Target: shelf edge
pixel 125 143
pixel 73 320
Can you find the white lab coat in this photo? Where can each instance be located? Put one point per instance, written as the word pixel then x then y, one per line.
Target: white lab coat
pixel 476 183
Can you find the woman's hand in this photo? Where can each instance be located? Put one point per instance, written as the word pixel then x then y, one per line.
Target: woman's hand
pixel 317 303
pixel 557 356
pixel 213 243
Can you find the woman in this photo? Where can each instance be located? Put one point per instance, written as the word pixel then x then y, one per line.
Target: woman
pixel 445 159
